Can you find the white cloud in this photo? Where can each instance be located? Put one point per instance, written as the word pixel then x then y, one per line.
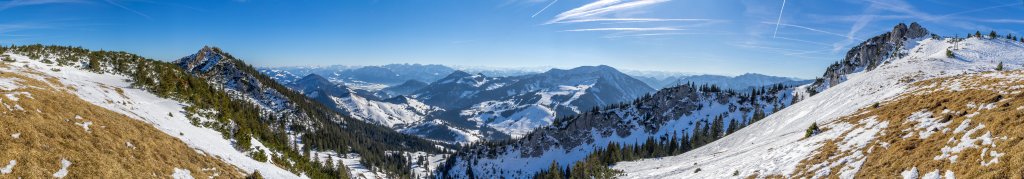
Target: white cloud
pixel 627 29
pixel 601 7
pixel 19 3
pixel 629 20
pixel 114 3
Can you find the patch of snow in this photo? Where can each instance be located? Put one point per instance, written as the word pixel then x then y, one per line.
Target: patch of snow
pixel 64 164
pixel 16 135
pixel 932 175
pixel 995 157
pixel 9 84
pixel 910 174
pixel 927 124
pixel 181 174
pixel 13 96
pixel 9 168
pixel 965 142
pixel 85 125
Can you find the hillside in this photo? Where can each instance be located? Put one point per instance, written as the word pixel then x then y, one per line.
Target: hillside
pixel 504 107
pixel 705 113
pixel 860 140
pixel 224 108
pixel 53 127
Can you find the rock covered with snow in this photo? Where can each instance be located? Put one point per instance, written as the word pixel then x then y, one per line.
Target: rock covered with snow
pixel 871 53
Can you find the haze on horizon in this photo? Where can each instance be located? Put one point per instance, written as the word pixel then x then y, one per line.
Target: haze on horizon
pixel 777 37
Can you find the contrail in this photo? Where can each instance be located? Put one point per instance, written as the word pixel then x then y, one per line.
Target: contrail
pixel 780 19
pixel 129 9
pixel 545 8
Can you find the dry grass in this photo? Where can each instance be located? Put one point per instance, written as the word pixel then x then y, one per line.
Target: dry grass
pixel 899 146
pixel 51 134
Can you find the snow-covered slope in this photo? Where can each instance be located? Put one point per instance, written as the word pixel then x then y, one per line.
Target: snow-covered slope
pixel 220 97
pixel 114 93
pixel 776 145
pixel 397 112
pixel 504 107
pixel 668 112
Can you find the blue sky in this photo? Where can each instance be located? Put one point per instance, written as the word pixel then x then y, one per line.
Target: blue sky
pixel 702 36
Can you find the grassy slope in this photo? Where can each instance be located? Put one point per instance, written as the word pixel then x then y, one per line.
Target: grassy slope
pixel 980 113
pixel 48 132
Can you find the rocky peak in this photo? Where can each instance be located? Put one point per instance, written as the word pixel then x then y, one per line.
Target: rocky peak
pixel 203 61
pixel 869 54
pixel 901 32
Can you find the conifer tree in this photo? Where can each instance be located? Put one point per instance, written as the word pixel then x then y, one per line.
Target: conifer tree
pixel 999 67
pixel 813 129
pixel 732 126
pixel 717 127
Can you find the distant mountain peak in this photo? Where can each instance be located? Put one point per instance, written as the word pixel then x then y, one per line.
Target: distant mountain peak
pixel 204 60
pixel 455 76
pixel 313 79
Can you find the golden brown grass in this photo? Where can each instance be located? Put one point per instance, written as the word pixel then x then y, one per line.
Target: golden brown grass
pixel 890 153
pixel 51 134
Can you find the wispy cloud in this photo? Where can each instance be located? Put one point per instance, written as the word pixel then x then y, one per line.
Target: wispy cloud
pixel 804 41
pixel 982 9
pixel 813 30
pixel 601 7
pixel 783 51
pixel 14 27
pixel 633 29
pixel 633 20
pixel 114 3
pixel 1005 21
pixel 19 3
pixel 653 34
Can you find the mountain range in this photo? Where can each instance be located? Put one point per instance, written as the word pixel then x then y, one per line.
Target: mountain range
pixel 902 104
pixel 463 107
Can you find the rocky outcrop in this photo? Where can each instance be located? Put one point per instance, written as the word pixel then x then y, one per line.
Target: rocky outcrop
pixel 869 55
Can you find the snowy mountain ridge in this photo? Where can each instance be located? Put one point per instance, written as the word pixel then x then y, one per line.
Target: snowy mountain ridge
pixel 503 107
pixel 776 146
pixel 870 54
pixel 668 112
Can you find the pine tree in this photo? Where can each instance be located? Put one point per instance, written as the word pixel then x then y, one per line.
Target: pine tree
pixel 554 172
pixel 949 53
pixel 469 173
pixel 813 129
pixel 732 126
pixel 977 34
pixel 697 136
pixel 342 170
pixel 999 67
pixel 94 64
pixel 717 128
pixel 992 35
